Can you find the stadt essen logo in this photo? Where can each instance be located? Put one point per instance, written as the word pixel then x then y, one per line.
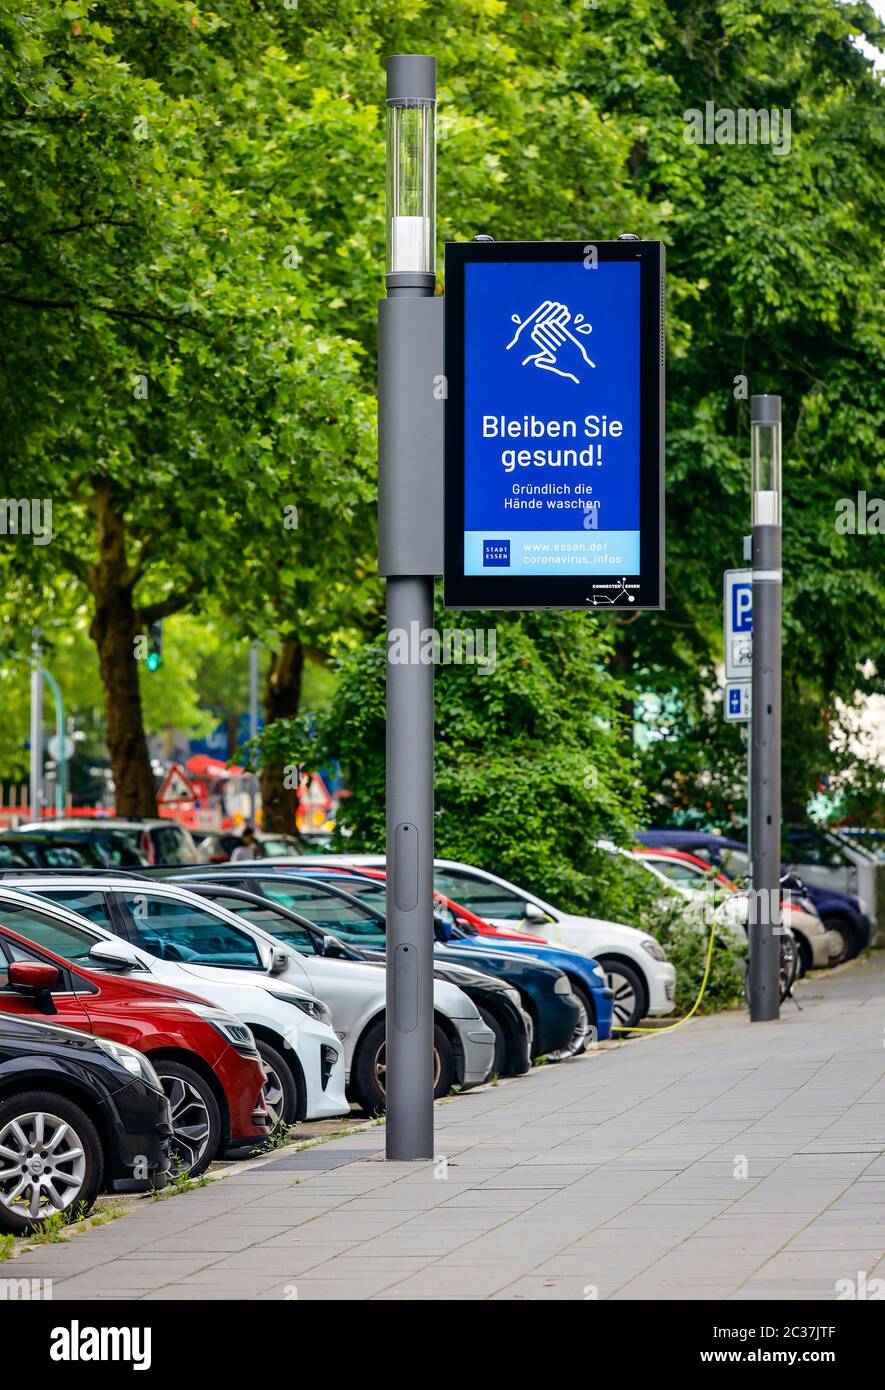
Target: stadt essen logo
pixel 495 554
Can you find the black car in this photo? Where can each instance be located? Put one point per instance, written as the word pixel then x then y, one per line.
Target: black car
pixel 78 1114
pixel 559 1025
pixel 71 848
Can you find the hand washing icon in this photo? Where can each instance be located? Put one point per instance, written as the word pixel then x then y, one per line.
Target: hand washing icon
pixel 558 350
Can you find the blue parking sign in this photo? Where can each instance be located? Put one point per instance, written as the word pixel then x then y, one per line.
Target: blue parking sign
pixel 742 608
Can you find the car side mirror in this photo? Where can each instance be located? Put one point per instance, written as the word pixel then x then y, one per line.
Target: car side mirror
pixel 535 914
pixel 36 979
pixel 114 955
pixel 278 961
pixel 333 949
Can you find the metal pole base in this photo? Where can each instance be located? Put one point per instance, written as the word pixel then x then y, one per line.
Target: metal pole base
pixel 409 1055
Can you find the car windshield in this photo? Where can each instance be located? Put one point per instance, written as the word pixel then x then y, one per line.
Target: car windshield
pixel 328 911
pixel 67 941
pixel 270 920
pixel 486 899
pixel 182 931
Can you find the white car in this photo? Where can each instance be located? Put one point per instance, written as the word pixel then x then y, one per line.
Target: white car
pixel 636 966
pixel 817 947
pixel 303 1059
pixel 185 933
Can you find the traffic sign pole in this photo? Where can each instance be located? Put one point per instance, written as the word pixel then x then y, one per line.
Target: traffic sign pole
pixel 765 764
pixel 36 779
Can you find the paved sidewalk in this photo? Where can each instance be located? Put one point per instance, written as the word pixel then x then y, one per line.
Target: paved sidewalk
pixel 723 1160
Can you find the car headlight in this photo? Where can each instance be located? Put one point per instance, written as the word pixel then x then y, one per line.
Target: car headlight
pixel 314 1008
pixel 598 971
pixel 514 996
pixel 653 947
pixel 563 985
pixel 134 1062
pixel 233 1030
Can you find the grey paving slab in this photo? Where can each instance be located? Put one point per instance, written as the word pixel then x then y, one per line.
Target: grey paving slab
pixel 720 1159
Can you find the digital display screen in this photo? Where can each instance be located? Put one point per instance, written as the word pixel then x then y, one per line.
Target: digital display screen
pixel 551 419
pixel 550 441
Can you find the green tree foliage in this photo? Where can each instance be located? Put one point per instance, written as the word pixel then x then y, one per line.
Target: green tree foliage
pixel 191 241
pixel 533 759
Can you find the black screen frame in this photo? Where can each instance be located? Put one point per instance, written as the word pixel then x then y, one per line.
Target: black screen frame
pixel 552 591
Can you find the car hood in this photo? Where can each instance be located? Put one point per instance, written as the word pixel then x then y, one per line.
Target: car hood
pixel 238 979
pixel 590 935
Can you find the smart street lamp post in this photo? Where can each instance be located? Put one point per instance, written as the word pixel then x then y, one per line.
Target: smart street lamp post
pixel 410 555
pixel 765 762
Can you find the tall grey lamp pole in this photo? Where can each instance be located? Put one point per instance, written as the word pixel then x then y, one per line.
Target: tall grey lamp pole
pixel 765 762
pixel 36 779
pixel 410 555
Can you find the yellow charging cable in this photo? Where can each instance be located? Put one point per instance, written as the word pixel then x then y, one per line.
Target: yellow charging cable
pixel 622 1028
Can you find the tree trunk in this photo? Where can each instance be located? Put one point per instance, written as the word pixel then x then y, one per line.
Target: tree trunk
pixel 113 629
pixel 282 699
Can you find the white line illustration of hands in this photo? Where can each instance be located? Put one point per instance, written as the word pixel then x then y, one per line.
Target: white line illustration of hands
pixel 552 336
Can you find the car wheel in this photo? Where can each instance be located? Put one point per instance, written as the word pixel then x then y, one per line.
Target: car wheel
pixel 51 1160
pixel 280 1090
pixel 628 1005
pixel 789 960
pixel 499 1065
pixel 583 1028
pixel 368 1078
pixel 805 958
pixel 196 1120
pixel 843 930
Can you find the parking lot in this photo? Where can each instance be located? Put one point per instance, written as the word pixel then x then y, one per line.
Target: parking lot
pixel 722 1160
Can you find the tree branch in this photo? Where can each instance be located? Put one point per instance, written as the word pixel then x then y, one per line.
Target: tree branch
pixel 139 315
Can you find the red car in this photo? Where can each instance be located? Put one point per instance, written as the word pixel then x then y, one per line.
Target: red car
pixel 205 1058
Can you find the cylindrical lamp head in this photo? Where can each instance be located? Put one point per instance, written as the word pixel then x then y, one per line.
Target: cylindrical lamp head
pixel 411 163
pixel 765 449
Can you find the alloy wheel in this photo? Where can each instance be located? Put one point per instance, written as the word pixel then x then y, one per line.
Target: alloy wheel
pixel 578 1040
pixel 379 1068
pixel 274 1098
pixel 42 1164
pixel 191 1125
pixel 624 1004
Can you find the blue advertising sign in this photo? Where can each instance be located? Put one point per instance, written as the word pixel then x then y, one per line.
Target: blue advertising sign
pixel 553 425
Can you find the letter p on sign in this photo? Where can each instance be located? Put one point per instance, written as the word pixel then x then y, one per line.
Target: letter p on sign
pixel 742 608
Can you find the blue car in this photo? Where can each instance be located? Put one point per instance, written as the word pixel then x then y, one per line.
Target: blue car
pixel 838 911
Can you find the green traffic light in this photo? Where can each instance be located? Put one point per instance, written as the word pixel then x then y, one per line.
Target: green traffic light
pixel 153 661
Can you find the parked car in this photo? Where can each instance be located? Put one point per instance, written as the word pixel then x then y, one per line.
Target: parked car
pixel 164 930
pixel 565 1034
pixel 72 849
pixel 158 840
pixel 222 956
pixel 205 1058
pixel 218 846
pixel 553 1015
pixel 816 946
pixel 838 911
pixel 635 965
pixel 78 1115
